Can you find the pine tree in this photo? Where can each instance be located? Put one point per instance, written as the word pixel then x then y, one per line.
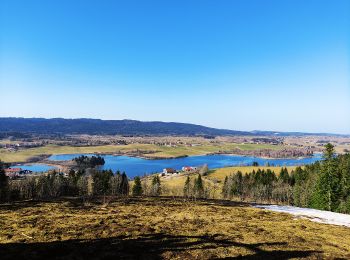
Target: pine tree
pixel 198 187
pixel 225 188
pixel 236 184
pixel 82 186
pixel 327 193
pixel 328 152
pixel 137 188
pixel 344 169
pixel 156 188
pixel 124 185
pixel 284 175
pixel 187 187
pixel 101 180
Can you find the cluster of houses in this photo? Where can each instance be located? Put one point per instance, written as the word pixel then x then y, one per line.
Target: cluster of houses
pixel 174 171
pixel 15 146
pixel 16 172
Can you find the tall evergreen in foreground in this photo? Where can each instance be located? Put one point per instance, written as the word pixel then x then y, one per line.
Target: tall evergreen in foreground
pixel 156 188
pixel 124 185
pixel 284 175
pixel 137 188
pixel 224 191
pixel 198 187
pixel 328 187
pixel 187 187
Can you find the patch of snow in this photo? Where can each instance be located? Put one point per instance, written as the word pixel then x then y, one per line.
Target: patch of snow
pixel 321 216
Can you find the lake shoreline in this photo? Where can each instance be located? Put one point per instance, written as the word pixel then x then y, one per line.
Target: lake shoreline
pixel 175 157
pixel 139 166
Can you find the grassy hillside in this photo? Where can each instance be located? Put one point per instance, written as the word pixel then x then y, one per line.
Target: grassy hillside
pixel 23 155
pixel 221 173
pixel 173 185
pixel 162 229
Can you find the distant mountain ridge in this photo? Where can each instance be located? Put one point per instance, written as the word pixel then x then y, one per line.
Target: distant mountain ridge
pixel 119 127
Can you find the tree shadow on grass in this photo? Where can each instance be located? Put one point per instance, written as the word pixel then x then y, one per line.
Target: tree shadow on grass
pixel 152 246
pixel 23 204
pixel 80 203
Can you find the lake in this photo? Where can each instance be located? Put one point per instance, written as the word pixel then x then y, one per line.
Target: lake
pixel 137 166
pixel 35 167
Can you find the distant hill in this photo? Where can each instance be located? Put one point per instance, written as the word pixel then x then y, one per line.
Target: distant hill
pixel 120 127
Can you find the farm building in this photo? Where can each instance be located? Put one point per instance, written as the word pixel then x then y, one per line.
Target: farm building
pixel 13 172
pixel 169 170
pixel 188 168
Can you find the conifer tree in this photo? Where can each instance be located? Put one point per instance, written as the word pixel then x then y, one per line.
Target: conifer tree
pixel 187 187
pixel 124 185
pixel 344 199
pixel 236 184
pixel 225 188
pixel 156 188
pixel 198 187
pixel 284 175
pixel 137 188
pixel 83 186
pixel 328 188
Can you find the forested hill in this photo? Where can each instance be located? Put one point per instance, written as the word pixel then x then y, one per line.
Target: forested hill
pixel 97 126
pixel 121 127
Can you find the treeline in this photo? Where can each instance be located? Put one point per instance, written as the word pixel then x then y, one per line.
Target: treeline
pixel 192 189
pixel 89 161
pixel 322 185
pixel 260 185
pixel 140 189
pixel 271 153
pixel 195 189
pixel 54 185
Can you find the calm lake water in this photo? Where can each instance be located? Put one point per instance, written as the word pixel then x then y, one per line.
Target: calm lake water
pixel 35 167
pixel 138 166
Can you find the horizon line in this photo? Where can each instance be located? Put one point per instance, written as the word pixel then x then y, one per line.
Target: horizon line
pixel 150 121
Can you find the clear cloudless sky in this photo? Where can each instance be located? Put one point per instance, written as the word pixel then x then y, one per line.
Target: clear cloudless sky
pixel 235 64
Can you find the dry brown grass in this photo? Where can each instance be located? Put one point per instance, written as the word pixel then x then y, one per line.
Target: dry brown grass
pixel 163 228
pixel 172 185
pixel 221 173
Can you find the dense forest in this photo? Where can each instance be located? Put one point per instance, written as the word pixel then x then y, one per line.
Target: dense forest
pixel 84 161
pixel 84 183
pixel 121 127
pixel 322 185
pixel 108 127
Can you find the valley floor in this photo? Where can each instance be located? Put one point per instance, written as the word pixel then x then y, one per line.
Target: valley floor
pixel 162 228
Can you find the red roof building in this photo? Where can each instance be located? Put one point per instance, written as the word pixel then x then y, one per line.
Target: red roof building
pixel 169 170
pixel 12 172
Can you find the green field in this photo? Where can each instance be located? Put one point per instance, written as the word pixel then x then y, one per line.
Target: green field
pixel 155 150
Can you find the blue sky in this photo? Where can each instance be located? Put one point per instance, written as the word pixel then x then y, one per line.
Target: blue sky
pixel 245 65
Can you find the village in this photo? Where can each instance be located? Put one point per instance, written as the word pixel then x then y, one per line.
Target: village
pixel 19 173
pixel 15 173
pixel 172 171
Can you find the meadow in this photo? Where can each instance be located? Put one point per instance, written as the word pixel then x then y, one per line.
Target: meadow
pixel 162 228
pixel 172 185
pixel 147 150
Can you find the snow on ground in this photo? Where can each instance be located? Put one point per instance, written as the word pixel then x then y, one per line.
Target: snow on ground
pixel 316 215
